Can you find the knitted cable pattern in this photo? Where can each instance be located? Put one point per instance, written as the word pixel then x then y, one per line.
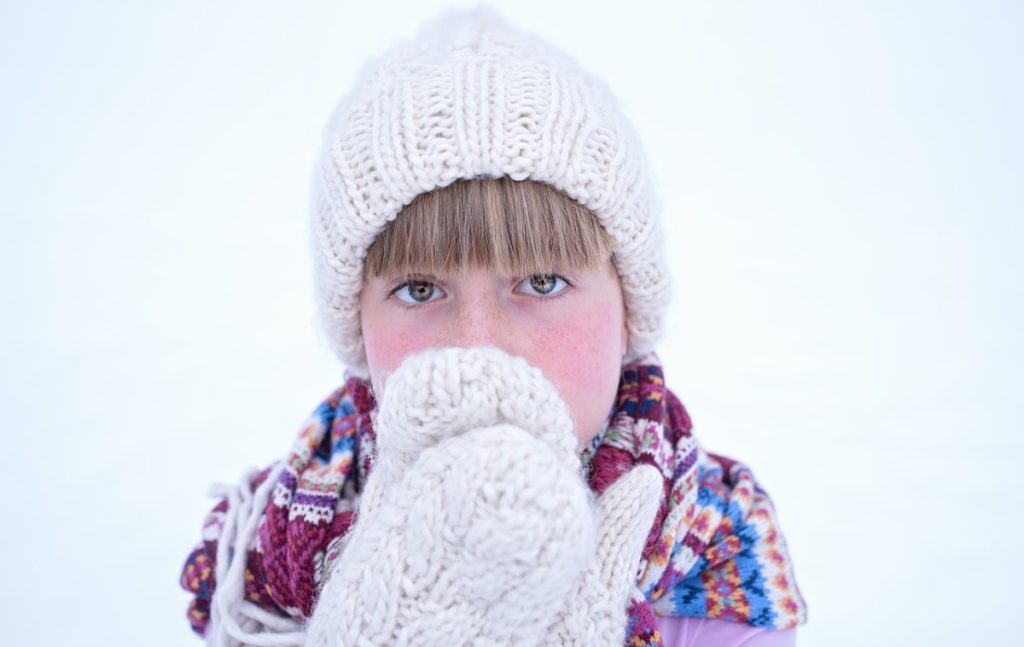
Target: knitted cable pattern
pixel 714 550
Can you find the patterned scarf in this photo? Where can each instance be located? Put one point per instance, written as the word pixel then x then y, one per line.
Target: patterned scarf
pixel 715 550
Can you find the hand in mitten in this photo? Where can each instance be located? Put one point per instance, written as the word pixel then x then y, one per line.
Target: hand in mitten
pixel 474 522
pixel 595 610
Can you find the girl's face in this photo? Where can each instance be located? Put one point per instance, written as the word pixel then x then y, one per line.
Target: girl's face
pixel 569 325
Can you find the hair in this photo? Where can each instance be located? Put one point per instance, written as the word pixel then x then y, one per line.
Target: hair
pixel 512 227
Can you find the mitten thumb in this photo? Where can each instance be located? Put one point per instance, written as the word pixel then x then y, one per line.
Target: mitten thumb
pixel 595 611
pixel 627 510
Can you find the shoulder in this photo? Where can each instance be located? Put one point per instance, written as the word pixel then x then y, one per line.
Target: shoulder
pixel 690 632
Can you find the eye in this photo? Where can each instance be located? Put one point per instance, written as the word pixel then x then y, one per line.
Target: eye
pixel 545 285
pixel 415 291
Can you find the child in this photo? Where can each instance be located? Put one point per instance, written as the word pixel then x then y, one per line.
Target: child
pixel 504 462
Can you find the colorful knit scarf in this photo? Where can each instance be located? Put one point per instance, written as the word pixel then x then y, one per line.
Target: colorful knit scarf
pixel 715 550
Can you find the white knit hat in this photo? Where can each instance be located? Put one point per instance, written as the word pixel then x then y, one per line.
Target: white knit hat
pixel 472 96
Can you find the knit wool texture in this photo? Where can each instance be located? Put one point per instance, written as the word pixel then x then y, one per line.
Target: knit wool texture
pixel 476 523
pixel 471 96
pixel 714 550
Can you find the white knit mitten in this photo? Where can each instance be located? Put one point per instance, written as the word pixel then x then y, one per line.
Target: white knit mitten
pixel 474 523
pixel 594 612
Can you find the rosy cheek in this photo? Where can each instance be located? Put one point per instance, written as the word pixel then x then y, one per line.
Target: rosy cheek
pixel 582 357
pixel 386 347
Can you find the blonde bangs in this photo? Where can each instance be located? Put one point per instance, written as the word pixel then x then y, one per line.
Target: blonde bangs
pixel 506 226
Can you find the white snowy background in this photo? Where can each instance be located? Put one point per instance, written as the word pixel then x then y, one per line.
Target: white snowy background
pixel 844 189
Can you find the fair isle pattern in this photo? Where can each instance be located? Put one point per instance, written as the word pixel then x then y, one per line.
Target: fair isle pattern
pixel 743 572
pixel 715 549
pixel 313 501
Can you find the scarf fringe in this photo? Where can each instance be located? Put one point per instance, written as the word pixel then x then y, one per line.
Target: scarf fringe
pixel 234 621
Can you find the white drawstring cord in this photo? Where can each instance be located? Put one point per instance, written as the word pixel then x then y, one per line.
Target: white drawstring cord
pixel 234 621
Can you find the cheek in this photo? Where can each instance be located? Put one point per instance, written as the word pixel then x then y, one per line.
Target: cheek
pixel 387 345
pixel 583 358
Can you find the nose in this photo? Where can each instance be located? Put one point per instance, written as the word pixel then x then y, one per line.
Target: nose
pixel 479 320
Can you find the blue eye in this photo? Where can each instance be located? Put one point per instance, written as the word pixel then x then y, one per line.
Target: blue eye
pixel 418 291
pixel 545 285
